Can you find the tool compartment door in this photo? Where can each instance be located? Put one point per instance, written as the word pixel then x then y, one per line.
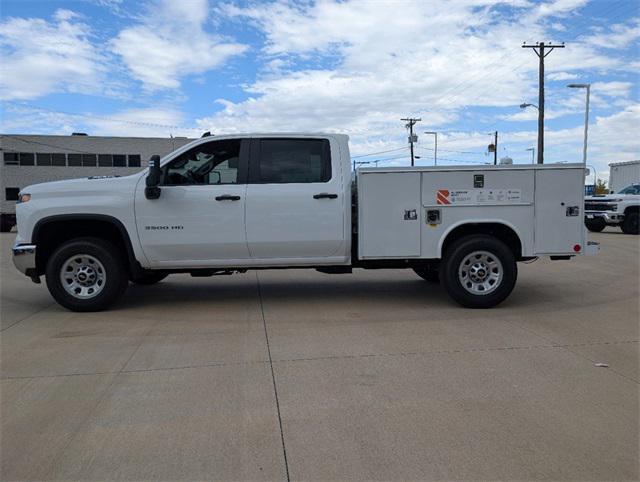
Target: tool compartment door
pixel 389 215
pixel 557 190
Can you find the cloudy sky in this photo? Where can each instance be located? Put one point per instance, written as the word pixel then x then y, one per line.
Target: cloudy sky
pixel 181 67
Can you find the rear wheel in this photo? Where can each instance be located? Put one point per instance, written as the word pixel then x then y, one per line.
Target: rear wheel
pixel 427 273
pixel 479 271
pixel 86 274
pixel 595 225
pixel 631 224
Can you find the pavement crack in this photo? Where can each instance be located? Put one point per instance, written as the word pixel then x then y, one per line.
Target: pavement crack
pixel 273 379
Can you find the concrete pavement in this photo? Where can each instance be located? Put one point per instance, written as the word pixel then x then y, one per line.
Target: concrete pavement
pixel 374 375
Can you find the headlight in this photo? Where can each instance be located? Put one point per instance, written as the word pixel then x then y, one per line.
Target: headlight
pixel 23 198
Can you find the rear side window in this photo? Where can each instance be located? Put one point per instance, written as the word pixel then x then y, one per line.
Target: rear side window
pixel 294 161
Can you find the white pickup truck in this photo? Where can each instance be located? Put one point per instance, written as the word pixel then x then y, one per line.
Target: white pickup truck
pixel 621 209
pixel 227 204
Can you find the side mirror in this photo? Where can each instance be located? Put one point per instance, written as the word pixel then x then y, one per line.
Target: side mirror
pixel 152 191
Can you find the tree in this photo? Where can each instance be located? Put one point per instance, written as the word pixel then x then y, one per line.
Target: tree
pixel 601 187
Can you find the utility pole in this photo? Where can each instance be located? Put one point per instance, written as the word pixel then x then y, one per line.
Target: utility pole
pixel 539 49
pixel 411 121
pixel 495 153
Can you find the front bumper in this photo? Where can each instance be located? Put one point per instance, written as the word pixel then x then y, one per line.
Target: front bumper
pixel 24 258
pixel 609 217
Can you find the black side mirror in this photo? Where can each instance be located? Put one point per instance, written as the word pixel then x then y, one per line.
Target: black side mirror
pixel 152 191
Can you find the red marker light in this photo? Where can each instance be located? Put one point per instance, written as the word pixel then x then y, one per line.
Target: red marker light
pixel 577 248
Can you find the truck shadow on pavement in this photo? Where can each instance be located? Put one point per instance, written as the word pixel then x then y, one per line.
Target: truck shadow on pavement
pixel 312 294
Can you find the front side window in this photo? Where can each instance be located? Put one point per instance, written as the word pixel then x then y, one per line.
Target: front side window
pixel 211 163
pixel 633 189
pixel 294 161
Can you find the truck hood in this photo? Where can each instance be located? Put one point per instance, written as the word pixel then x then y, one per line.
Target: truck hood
pixel 613 198
pixel 85 185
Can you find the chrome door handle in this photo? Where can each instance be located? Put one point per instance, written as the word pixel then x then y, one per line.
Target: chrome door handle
pixel 227 197
pixel 325 195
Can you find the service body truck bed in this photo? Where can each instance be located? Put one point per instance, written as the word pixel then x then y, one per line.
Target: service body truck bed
pixel 227 204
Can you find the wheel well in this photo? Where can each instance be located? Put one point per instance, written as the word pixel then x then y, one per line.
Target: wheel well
pixel 501 231
pixel 632 209
pixel 49 234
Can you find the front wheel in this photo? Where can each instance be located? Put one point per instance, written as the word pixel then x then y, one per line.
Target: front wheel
pixel 479 271
pixel 631 224
pixel 86 274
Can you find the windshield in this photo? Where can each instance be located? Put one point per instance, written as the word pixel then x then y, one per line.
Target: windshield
pixel 633 189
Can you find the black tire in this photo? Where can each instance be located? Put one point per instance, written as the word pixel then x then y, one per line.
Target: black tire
pixel 149 278
pixel 428 274
pixel 114 271
pixel 451 272
pixel 631 223
pixel 595 225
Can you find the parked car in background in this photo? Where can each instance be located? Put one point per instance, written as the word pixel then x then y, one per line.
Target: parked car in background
pixel 621 209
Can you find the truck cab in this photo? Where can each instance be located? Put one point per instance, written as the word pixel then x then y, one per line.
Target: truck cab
pixel 222 205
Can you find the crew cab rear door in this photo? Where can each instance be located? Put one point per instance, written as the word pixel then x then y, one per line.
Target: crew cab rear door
pixel 295 200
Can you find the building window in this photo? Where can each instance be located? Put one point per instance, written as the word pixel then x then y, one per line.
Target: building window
pixel 43 159
pixel 58 159
pixel 11 193
pixel 27 159
pixel 134 160
pixel 105 160
pixel 119 160
pixel 74 159
pixel 11 159
pixel 89 159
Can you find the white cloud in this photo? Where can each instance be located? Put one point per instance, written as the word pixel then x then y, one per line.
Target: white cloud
pixel 39 57
pixel 562 76
pixel 171 43
pixel 619 36
pixel 612 89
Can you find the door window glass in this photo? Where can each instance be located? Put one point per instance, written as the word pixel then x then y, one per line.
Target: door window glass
pixel 294 161
pixel 211 163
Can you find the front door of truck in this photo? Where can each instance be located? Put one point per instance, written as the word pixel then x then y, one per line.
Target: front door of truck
pixel 295 200
pixel 200 214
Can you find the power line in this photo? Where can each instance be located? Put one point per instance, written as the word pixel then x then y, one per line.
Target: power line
pixel 380 152
pixel 109 119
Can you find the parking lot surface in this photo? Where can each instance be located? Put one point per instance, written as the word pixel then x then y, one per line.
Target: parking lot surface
pixel 302 375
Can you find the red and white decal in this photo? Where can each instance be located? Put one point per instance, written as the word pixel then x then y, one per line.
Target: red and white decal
pixel 442 196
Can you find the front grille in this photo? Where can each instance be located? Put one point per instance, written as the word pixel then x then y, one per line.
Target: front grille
pixel 599 207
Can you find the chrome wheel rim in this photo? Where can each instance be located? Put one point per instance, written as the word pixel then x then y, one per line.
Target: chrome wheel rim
pixel 83 276
pixel 480 273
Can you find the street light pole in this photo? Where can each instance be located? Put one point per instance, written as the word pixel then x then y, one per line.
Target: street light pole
pixel 586 117
pixel 435 150
pixel 533 154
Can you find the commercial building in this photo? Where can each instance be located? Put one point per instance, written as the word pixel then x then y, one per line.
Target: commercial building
pixel 32 159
